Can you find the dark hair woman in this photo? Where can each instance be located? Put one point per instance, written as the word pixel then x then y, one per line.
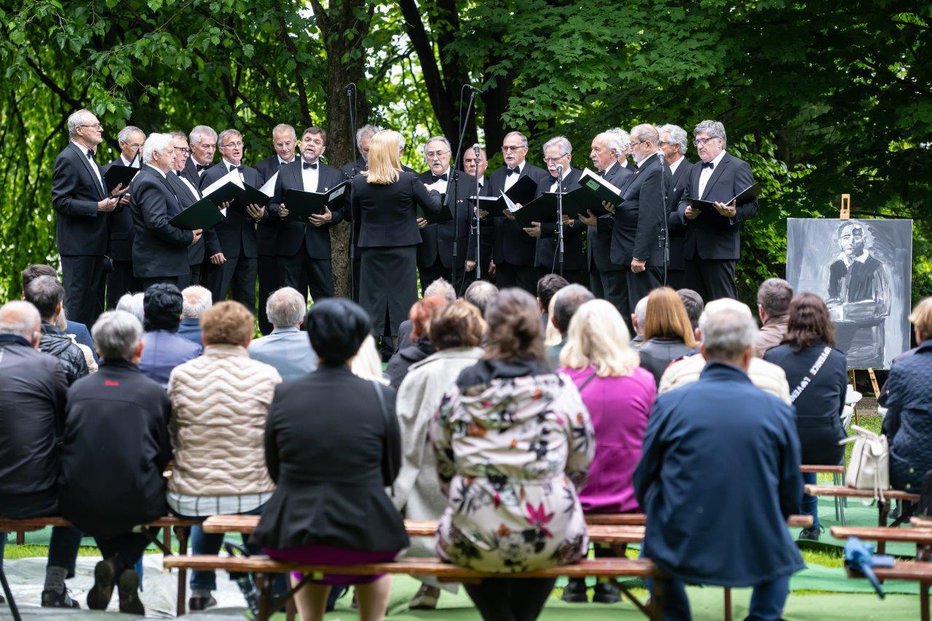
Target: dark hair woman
pixel 817 376
pixel 331 464
pixel 513 441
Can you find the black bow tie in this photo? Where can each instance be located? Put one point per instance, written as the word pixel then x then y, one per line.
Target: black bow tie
pixel 178 172
pixel 554 180
pixel 305 166
pixel 200 167
pixel 239 168
pixel 709 165
pixel 90 155
pixel 442 177
pixel 512 171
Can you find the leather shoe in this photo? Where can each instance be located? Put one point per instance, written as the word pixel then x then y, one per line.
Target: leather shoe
pixel 128 586
pixel 810 534
pixel 98 598
pixel 575 592
pixel 606 593
pixel 201 603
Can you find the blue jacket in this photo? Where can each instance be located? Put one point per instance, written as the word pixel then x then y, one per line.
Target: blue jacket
pixel 286 349
pixel 718 477
pixel 908 423
pixel 162 351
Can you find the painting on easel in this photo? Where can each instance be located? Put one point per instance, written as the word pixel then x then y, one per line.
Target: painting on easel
pixel 863 271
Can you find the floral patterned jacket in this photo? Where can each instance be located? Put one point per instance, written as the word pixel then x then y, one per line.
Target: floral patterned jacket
pixel 513 442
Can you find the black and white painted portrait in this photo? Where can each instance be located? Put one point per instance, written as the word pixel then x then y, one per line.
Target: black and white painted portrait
pixel 863 271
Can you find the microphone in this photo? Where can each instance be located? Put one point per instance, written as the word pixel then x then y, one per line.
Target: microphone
pixel 559 170
pixel 349 88
pixel 476 148
pixel 473 88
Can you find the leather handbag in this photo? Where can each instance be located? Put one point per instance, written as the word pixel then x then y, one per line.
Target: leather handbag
pixel 869 467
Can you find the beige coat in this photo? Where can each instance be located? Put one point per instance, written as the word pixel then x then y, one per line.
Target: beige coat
pixel 765 375
pixel 220 402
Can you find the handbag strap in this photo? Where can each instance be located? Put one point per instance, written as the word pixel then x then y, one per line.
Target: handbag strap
pixel 586 383
pixel 810 374
pixel 386 445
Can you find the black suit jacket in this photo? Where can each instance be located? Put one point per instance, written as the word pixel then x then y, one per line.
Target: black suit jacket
pixel 190 173
pixel 639 219
pixel 711 235
pixel 119 225
pixel 79 229
pixel 267 231
pixel 186 199
pixel 293 235
pixel 437 239
pixel 510 243
pixel 574 257
pixel 237 233
pixel 675 226
pixel 159 248
pixel 600 236
pixel 387 213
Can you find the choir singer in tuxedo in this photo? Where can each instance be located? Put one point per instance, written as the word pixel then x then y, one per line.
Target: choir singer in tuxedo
pixel 385 199
pixel 673 143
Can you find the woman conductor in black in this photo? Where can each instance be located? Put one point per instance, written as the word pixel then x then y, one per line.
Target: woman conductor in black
pixel 385 198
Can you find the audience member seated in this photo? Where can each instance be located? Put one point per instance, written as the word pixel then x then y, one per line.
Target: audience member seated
pixel 668 336
pixel 164 349
pixel 547 287
pixel 438 288
pixel 456 331
pixel 46 294
pixel 818 379
pixel 693 304
pixel 220 402
pixel 909 401
pixel 565 303
pixel 480 293
pixel 420 347
pixel 134 304
pixel 331 465
pixel 619 395
pixel 80 332
pixel 286 348
pixel 773 304
pixel 367 363
pixel 197 299
pixel 513 443
pixel 638 317
pixel 765 375
pixel 106 493
pixel 33 388
pixel 719 476
pixel 90 358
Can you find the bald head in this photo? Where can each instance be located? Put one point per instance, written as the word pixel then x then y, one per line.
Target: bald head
pixel 21 319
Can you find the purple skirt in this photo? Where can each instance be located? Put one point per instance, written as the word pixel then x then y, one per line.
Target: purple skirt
pixel 319 554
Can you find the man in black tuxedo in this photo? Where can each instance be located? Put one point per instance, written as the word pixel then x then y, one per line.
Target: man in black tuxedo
pixel 83 206
pixel 673 142
pixel 284 141
pixel 513 250
pixel 558 155
pixel 605 278
pixel 203 147
pixel 624 139
pixel 160 249
pixel 121 280
pixel 232 259
pixel 638 235
pixel 304 254
pixel 435 256
pixel 476 164
pixel 188 194
pixel 713 237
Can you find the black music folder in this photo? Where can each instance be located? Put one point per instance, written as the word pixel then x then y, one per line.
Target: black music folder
pixel 203 214
pixel 301 205
pixel 748 194
pixel 119 175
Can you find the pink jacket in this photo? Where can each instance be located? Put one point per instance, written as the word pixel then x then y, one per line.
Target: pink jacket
pixel 619 408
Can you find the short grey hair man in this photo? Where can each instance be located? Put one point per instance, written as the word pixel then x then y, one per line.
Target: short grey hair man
pixel 200 132
pixel 773 306
pixel 611 140
pixel 133 304
pixel 480 294
pixel 435 139
pixel 156 143
pixel 21 318
pixel 713 129
pixel 79 118
pixel 677 135
pixel 638 317
pixel 519 136
pixel 441 288
pixel 560 142
pixel 645 132
pixel 366 131
pixel 284 128
pixel 286 308
pixel 624 138
pixel 127 132
pixel 694 305
pixel 197 299
pixel 117 335
pixel 227 133
pixel 728 336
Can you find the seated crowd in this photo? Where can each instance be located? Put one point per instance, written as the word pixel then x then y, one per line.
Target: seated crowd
pixel 504 418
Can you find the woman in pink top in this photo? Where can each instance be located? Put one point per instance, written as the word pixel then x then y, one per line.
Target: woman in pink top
pixel 619 395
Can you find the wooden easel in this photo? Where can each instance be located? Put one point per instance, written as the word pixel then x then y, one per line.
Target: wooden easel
pixel 844 213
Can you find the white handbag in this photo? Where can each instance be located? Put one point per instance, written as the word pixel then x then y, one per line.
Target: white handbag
pixel 869 467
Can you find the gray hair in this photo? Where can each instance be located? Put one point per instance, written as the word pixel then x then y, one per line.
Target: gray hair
pixel 480 294
pixel 559 141
pixel 611 140
pixel 566 302
pixel 366 130
pixel 285 307
pixel 441 288
pixel 155 143
pixel 640 312
pixel 774 295
pixel 694 305
pixel 646 131
pixel 134 304
pixel 727 328
pixel 520 136
pixel 226 134
pixel 20 318
pixel 78 118
pixel 45 293
pixel 677 136
pixel 435 139
pixel 282 128
pixel 178 134
pixel 128 131
pixel 116 335
pixel 714 129
pixel 196 299
pixel 198 134
pixel 623 136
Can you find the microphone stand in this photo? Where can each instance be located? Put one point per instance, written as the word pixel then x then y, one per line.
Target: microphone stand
pixel 476 149
pixel 350 90
pixel 452 184
pixel 664 233
pixel 560 217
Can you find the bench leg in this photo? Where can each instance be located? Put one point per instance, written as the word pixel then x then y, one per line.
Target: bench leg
pixel 728 613
pixel 655 606
pixel 924 601
pixel 264 586
pixel 182 533
pixel 20 537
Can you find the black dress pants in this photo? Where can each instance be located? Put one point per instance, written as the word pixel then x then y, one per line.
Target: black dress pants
pixel 238 275
pixel 83 279
pixel 712 278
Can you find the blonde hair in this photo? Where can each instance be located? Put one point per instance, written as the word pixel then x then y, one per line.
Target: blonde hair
pixel 384 161
pixel 598 336
pixel 666 317
pixel 921 317
pixel 367 364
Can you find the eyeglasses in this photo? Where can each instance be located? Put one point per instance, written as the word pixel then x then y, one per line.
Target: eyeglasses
pixel 284 145
pixel 663 143
pixel 236 144
pixel 182 150
pixel 634 144
pixel 435 153
pixel 512 147
pixel 698 142
pixel 97 125
pixel 207 145
pixel 549 159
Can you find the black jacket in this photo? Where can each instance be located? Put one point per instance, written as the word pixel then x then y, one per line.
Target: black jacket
pixel 79 228
pixel 574 256
pixel 437 239
pixel 56 343
pixel 237 232
pixel 388 213
pixel 819 406
pixel 600 236
pixel 120 226
pixel 676 225
pixel 32 415
pixel 407 355
pixel 114 450
pixel 186 198
pixel 511 244
pixel 331 492
pixel 159 248
pixel 266 231
pixel 657 353
pixel 640 218
pixel 295 236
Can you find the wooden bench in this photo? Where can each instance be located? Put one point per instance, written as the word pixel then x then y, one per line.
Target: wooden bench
pixel 181 527
pixel 913 571
pixel 817 469
pixel 838 473
pixel 883 506
pixel 263 567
